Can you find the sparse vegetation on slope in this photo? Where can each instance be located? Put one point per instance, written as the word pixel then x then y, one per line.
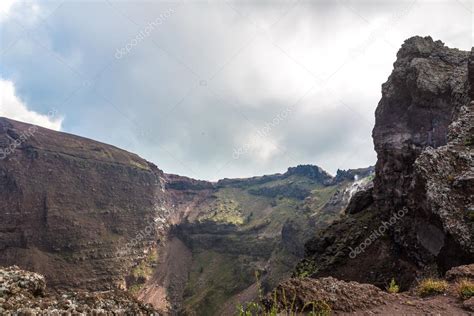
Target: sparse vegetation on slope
pixel 431 286
pixel 254 226
pixel 465 289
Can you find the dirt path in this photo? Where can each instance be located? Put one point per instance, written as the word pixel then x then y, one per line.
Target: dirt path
pixel 403 304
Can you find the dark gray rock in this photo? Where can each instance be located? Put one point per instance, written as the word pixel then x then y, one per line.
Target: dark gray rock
pixel 361 200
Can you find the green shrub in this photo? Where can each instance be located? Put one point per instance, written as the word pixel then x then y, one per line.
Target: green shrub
pixel 465 289
pixel 431 286
pixel 305 269
pixel 134 289
pixel 393 287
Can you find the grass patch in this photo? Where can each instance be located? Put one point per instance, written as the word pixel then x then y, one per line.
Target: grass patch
pixel 141 271
pixel 224 211
pixel 431 287
pixel 319 197
pixel 214 278
pixel 393 287
pixel 139 165
pixel 305 268
pixel 134 289
pixel 465 289
pixel 145 269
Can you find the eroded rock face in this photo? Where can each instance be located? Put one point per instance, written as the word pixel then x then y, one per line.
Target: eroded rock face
pixel 72 208
pixel 423 138
pixel 351 174
pixel 361 200
pixel 337 295
pixel 421 135
pixel 24 293
pixel 332 296
pixel 460 273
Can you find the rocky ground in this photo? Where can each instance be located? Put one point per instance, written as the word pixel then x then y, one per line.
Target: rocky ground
pixel 332 296
pixel 25 293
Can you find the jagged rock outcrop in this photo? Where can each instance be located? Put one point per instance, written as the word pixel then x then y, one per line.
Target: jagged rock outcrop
pixel 421 219
pixel 180 183
pixel 312 172
pixel 353 174
pixel 24 293
pixel 326 296
pixel 302 293
pixel 361 200
pixel 461 272
pixel 80 212
pixel 422 164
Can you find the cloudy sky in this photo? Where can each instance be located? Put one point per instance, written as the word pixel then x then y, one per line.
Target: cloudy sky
pixel 214 89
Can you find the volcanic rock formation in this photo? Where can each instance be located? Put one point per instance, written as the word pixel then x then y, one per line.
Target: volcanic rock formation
pixel 70 206
pixel 424 172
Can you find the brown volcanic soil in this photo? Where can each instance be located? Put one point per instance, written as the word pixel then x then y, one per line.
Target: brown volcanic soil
pixel 351 298
pixel 407 305
pixel 169 280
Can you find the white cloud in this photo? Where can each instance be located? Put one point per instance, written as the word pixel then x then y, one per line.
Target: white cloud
pixel 5 5
pixel 209 78
pixel 12 107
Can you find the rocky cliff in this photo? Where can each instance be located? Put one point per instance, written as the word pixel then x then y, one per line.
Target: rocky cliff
pixel 25 293
pixel 425 164
pixel 417 219
pixel 75 210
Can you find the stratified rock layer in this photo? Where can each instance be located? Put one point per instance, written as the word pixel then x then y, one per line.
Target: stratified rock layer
pixel 71 207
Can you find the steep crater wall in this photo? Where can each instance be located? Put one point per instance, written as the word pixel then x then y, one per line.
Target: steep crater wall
pixel 72 209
